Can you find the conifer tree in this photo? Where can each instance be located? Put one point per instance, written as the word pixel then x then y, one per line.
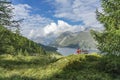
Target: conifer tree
pixel 109 39
pixel 6 15
pixel 5 12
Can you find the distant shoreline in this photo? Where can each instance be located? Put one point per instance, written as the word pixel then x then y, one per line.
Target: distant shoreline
pixel 65 51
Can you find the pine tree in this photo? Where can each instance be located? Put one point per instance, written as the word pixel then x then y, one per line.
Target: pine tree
pixel 6 15
pixel 109 39
pixel 5 12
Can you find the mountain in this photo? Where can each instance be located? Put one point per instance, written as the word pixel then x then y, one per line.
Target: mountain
pixel 48 48
pixel 44 40
pixel 13 43
pixel 81 39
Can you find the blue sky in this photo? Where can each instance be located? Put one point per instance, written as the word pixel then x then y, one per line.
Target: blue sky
pixel 44 8
pixel 41 7
pixel 53 17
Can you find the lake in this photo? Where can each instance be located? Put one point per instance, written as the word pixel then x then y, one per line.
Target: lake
pixel 68 51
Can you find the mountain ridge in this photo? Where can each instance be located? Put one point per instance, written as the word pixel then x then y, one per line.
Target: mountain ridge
pixel 82 39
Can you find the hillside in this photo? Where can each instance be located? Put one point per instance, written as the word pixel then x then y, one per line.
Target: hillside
pixel 48 48
pixel 56 67
pixel 81 39
pixel 12 43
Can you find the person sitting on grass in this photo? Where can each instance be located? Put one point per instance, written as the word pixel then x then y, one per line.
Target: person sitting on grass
pixel 78 51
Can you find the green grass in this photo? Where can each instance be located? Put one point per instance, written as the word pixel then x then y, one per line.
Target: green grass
pixel 55 67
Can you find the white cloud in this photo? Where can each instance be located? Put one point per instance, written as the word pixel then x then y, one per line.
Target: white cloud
pixel 78 10
pixel 50 31
pixel 32 25
pixel 61 27
pixel 21 10
pixel 35 25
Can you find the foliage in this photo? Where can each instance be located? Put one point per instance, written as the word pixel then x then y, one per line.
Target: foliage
pixel 6 15
pixel 48 48
pixel 14 43
pixel 5 12
pixel 109 39
pixel 110 64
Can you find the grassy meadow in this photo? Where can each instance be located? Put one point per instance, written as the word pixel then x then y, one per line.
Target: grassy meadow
pixel 57 67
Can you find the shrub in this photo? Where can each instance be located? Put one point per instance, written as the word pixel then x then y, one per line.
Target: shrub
pixel 110 64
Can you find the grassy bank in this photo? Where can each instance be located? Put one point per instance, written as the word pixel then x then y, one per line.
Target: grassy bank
pixel 56 67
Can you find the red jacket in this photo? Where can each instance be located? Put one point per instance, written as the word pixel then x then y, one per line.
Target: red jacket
pixel 78 51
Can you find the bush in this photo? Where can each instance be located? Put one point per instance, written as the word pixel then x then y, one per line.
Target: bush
pixel 110 64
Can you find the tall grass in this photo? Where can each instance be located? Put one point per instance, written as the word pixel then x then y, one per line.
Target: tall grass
pixel 54 67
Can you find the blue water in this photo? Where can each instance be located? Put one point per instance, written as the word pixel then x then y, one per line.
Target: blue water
pixel 68 51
